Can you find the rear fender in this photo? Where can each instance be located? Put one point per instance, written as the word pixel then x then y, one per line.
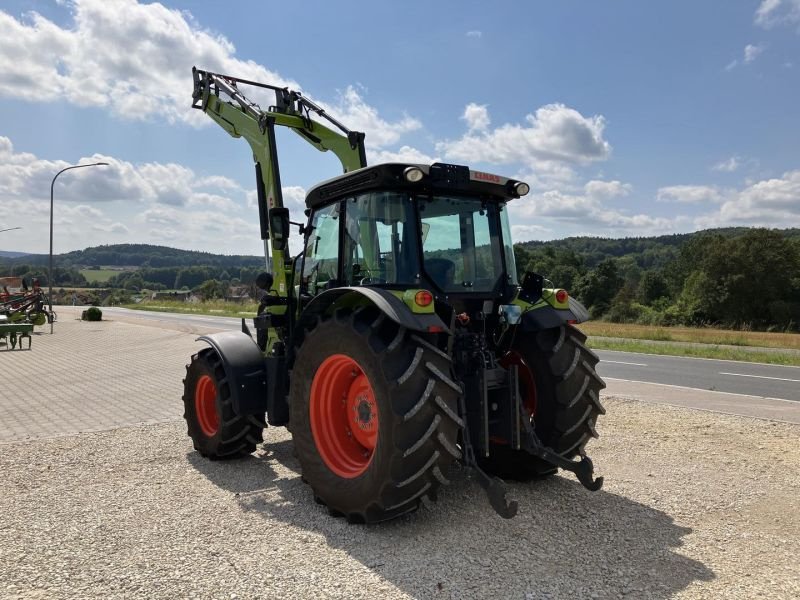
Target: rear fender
pixel 389 304
pixel 544 316
pixel 245 370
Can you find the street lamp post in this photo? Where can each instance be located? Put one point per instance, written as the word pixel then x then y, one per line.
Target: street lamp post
pixel 50 269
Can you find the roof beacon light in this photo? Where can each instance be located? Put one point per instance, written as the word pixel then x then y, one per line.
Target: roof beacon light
pixel 413 174
pixel 521 188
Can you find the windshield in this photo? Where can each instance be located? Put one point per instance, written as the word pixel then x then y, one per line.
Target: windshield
pixel 460 243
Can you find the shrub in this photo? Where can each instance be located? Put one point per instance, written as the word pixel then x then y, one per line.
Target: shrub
pixel 92 314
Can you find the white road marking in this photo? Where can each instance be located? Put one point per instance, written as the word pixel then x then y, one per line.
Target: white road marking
pixel 684 387
pixel 739 362
pixel 619 362
pixel 759 376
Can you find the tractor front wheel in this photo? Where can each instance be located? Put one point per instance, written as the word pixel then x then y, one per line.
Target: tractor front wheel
pixel 217 432
pixel 373 415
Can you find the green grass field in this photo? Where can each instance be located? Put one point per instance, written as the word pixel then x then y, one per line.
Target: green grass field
pixel 99 275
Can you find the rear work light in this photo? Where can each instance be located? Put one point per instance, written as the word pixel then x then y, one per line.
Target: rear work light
pixel 561 296
pixel 423 298
pixel 413 174
pixel 521 188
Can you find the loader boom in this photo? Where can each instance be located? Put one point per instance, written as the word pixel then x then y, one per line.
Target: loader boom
pixel 219 97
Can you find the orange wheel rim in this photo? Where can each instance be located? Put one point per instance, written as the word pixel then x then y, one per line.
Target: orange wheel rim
pixel 344 416
pixel 205 404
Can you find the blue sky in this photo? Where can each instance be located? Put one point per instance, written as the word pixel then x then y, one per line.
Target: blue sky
pixel 627 118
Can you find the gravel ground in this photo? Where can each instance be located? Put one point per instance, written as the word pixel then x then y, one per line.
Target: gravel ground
pixel 696 505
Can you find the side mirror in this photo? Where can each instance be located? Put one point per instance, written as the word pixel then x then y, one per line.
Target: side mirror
pixel 279 228
pixel 532 286
pixel 264 281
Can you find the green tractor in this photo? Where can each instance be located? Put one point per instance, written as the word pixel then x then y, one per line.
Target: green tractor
pixel 399 340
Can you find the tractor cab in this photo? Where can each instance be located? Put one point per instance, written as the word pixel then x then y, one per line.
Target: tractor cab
pixel 438 227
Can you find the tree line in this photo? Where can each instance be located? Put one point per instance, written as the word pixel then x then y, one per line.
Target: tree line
pixel 734 278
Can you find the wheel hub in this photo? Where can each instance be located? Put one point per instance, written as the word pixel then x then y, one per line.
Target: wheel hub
pixel 205 405
pixel 344 416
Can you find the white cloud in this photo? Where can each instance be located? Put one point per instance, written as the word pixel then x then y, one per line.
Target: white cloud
pixel 729 165
pixel 555 210
pixel 219 182
pixel 124 202
pixel 360 116
pixel 406 154
pixel 751 52
pixel 607 189
pixel 476 116
pixel 732 65
pixel 554 133
pixel 689 194
pixel 776 12
pixel 524 233
pixel 294 198
pixel 771 203
pixel 135 60
pixel 475 34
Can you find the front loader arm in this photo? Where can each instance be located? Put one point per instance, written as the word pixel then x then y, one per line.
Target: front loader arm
pixel 219 97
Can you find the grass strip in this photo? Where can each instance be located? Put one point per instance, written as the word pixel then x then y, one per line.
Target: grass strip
pixel 710 351
pixel 198 309
pixel 701 335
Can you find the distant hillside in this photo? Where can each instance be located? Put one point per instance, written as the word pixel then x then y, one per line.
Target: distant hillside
pixel 647 252
pixel 142 255
pixel 9 254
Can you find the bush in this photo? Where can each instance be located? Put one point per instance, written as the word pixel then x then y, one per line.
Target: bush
pixel 92 314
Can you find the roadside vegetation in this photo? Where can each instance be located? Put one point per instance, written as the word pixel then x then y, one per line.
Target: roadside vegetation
pixel 700 351
pixel 698 335
pixel 218 308
pixel 732 278
pixel 725 287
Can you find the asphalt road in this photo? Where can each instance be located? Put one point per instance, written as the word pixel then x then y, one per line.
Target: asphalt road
pixel 754 379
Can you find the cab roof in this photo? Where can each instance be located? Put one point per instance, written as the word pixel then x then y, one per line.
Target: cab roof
pixel 438 178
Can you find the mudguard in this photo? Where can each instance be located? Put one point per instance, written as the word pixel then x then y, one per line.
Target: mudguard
pixel 548 317
pixel 245 370
pixel 389 304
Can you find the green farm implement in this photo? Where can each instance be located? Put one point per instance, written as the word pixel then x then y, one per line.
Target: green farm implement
pixel 399 340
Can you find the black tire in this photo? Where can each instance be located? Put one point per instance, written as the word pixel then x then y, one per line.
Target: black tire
pixel 235 435
pixel 568 402
pixel 418 421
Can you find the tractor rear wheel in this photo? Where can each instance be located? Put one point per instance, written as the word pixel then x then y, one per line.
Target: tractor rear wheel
pixel 373 415
pixel 217 432
pixel 561 391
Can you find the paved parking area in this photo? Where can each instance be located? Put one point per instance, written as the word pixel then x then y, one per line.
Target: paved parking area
pixel 92 376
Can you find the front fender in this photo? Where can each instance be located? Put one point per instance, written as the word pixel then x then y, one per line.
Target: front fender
pixel 547 317
pixel 389 304
pixel 245 370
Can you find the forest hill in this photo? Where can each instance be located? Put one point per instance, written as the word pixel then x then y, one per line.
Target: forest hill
pixel 735 277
